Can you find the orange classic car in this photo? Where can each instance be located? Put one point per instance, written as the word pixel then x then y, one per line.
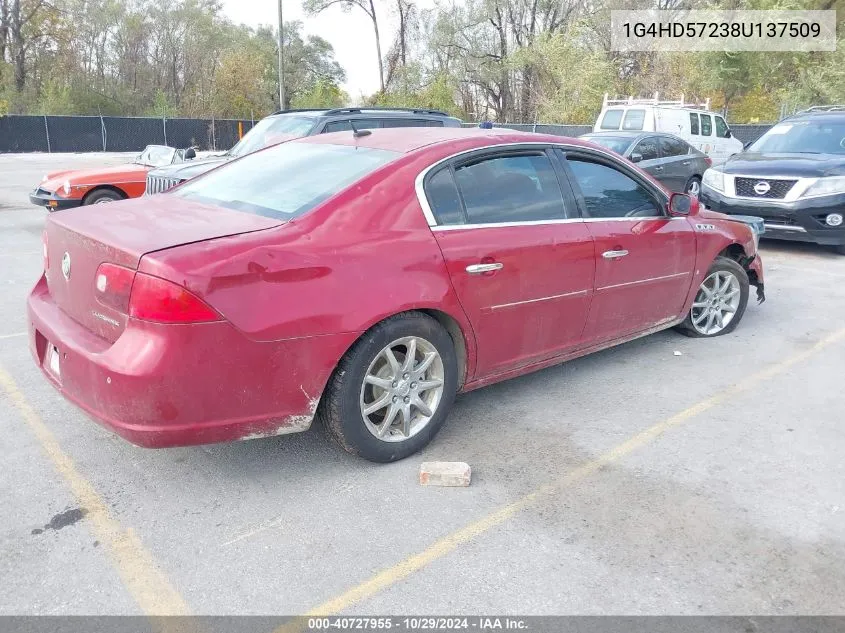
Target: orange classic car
pixel 67 189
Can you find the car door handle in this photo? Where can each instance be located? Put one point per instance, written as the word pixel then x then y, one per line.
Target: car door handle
pixel 477 269
pixel 686 162
pixel 658 168
pixel 614 254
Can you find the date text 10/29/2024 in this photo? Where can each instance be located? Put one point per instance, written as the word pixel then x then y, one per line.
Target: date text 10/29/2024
pixel 418 623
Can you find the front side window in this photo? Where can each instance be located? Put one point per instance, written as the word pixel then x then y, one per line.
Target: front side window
pixel 721 128
pixel 673 146
pixel 693 123
pixel 647 148
pixel 270 131
pixel 286 180
pixel 706 125
pixel 608 193
pixel 634 120
pixel 520 188
pixel 611 120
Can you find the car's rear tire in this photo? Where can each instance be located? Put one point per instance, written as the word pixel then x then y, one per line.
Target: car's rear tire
pixel 100 196
pixel 693 187
pixel 720 301
pixel 380 404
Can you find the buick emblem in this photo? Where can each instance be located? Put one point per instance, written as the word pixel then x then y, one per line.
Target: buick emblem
pixel 66 266
pixel 762 188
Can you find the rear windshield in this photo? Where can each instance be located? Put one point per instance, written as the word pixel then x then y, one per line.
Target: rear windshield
pixel 616 144
pixel 611 120
pixel 272 130
pixel 634 120
pixel 287 180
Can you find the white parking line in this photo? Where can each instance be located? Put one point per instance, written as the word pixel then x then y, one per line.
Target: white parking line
pixel 17 334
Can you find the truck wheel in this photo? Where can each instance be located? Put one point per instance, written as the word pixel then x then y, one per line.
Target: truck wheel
pixel 392 391
pixel 720 301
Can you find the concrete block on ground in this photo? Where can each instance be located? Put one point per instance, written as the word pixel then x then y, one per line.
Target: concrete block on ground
pixel 445 474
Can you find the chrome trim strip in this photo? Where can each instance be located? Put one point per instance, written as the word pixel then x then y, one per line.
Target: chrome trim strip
pixel 429 214
pixel 784 227
pixel 644 281
pixel 801 185
pixel 496 225
pixel 577 293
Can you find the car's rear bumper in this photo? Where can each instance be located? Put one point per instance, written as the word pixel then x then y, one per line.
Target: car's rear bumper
pixel 163 385
pixel 51 201
pixel 800 221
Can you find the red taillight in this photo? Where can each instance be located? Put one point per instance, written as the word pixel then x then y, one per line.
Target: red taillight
pixel 45 251
pixel 113 286
pixel 708 161
pixel 162 301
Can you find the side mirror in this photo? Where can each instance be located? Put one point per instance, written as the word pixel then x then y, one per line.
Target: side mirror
pixel 680 204
pixel 727 133
pixel 190 153
pixel 747 145
pixel 636 157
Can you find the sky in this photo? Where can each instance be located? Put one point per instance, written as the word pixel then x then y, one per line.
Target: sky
pixel 351 34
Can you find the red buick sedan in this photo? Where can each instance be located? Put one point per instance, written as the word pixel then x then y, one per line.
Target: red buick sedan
pixel 366 279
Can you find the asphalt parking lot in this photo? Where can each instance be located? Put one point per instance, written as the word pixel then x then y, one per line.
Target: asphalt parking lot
pixel 633 481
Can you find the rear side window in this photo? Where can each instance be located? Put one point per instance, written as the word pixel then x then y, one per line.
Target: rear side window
pixel 673 146
pixel 647 148
pixel 443 197
pixel 346 125
pixel 286 180
pixel 721 128
pixel 693 123
pixel 410 123
pixel 608 193
pixel 706 125
pixel 510 189
pixel 611 120
pixel 634 120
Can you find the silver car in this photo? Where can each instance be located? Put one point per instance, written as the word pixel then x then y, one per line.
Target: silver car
pixel 671 160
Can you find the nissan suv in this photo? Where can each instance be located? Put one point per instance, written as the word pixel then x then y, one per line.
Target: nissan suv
pixel 793 177
pixel 286 125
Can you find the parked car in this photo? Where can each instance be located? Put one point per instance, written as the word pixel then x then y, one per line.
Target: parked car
pixel 367 279
pixel 793 177
pixel 72 188
pixel 673 161
pixel 290 124
pixel 706 131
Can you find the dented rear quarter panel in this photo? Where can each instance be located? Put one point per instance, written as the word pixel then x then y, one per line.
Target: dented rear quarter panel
pixel 357 259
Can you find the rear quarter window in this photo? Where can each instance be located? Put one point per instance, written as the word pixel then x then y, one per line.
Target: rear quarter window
pixel 286 180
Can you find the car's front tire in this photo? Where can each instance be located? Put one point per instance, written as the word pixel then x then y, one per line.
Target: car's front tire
pixel 101 196
pixel 720 301
pixel 693 187
pixel 392 391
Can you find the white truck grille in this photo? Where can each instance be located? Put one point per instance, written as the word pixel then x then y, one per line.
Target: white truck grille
pixel 156 184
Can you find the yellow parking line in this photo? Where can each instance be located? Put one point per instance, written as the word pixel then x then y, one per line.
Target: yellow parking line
pixel 140 574
pixel 449 543
pixel 15 335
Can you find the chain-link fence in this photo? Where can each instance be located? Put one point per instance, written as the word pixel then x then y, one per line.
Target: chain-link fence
pixel 22 133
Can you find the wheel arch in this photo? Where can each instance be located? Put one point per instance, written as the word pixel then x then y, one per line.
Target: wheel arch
pixel 97 188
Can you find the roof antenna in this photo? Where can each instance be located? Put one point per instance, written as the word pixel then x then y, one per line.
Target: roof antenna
pixel 356 132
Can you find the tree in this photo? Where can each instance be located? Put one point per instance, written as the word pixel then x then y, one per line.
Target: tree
pixel 313 7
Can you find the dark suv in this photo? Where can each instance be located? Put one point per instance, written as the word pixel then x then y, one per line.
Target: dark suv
pixel 793 177
pixel 290 124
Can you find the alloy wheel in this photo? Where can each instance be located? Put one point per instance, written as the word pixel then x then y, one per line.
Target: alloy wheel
pixel 402 389
pixel 716 303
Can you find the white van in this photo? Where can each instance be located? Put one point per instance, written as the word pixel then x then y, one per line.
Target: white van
pixel 704 130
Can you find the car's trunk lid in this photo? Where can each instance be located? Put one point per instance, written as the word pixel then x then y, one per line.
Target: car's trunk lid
pixel 78 241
